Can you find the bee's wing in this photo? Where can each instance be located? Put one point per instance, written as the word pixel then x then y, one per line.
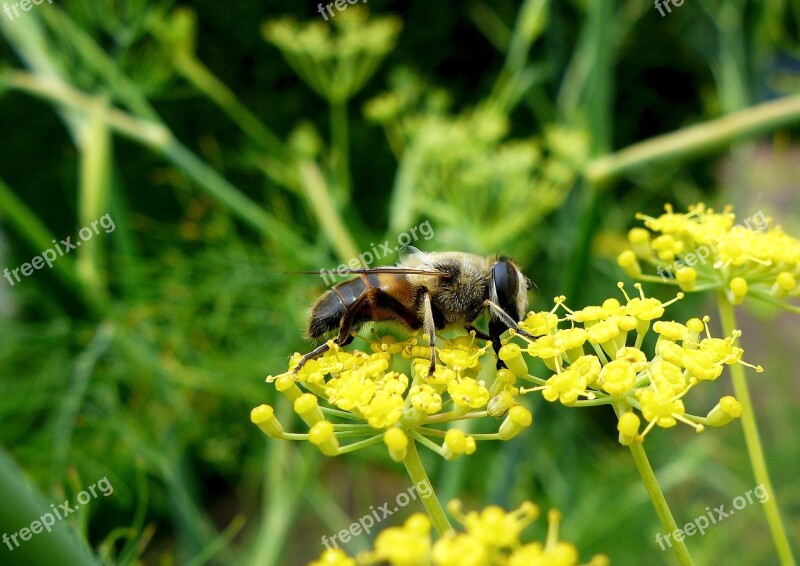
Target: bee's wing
pixel 393 270
pixel 406 251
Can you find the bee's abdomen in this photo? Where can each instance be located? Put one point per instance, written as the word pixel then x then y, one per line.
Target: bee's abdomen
pixel 327 312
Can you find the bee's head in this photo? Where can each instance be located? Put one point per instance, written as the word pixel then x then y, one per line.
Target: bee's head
pixel 510 288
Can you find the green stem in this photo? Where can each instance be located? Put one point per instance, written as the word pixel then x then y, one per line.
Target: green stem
pixel 431 503
pixel 319 199
pixel 194 71
pixel 340 154
pixel 24 504
pixel 695 140
pixel 17 214
pixel 158 137
pixel 753 441
pixel 600 49
pixel 659 502
pixel 96 157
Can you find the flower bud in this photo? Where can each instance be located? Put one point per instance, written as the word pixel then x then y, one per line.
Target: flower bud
pixel 784 284
pixel 287 387
pixel 321 435
pixel 640 242
pixel 511 354
pixel 455 444
pixel 308 408
pixel 686 278
pixel 518 419
pixel 738 290
pixel 500 404
pixel 724 412
pixel 628 427
pixel 629 264
pixel 397 442
pixel 264 417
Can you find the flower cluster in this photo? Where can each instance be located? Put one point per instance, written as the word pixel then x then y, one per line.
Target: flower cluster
pixel 374 394
pixel 703 249
pixel 593 364
pixel 335 59
pixel 463 160
pixel 491 537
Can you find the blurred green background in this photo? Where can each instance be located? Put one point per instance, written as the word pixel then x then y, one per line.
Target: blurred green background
pixel 230 144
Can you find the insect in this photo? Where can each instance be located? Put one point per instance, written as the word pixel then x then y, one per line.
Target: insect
pixel 432 291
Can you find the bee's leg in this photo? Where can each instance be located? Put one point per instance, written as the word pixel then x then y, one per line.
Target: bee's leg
pixel 345 335
pixel 478 332
pixel 507 320
pixel 315 353
pixel 430 329
pixel 499 323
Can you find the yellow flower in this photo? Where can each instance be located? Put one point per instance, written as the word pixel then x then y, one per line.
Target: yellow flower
pixel 468 393
pixel 334 557
pixel 704 249
pixel 493 526
pixel 617 377
pixel 425 398
pixel 459 550
pixel 565 386
pixel 353 399
pixel 625 375
pixel 493 536
pixel 409 545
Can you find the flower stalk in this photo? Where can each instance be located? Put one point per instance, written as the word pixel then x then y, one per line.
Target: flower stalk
pixel 753 440
pixel 659 502
pixel 416 471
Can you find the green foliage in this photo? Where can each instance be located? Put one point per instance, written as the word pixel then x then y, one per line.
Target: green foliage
pixel 232 142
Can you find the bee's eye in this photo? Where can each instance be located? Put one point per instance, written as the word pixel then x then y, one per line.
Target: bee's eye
pixel 506 285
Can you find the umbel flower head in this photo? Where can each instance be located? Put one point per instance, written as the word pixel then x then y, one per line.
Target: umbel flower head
pixel 367 398
pixel 335 58
pixel 593 362
pixel 703 249
pixel 489 537
pixel 468 153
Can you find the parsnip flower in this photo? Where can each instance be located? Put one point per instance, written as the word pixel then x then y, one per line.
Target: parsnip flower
pixel 623 375
pixel 492 536
pixel 704 249
pixel 353 399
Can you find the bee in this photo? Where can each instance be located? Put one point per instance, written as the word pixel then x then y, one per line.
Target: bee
pixel 430 291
